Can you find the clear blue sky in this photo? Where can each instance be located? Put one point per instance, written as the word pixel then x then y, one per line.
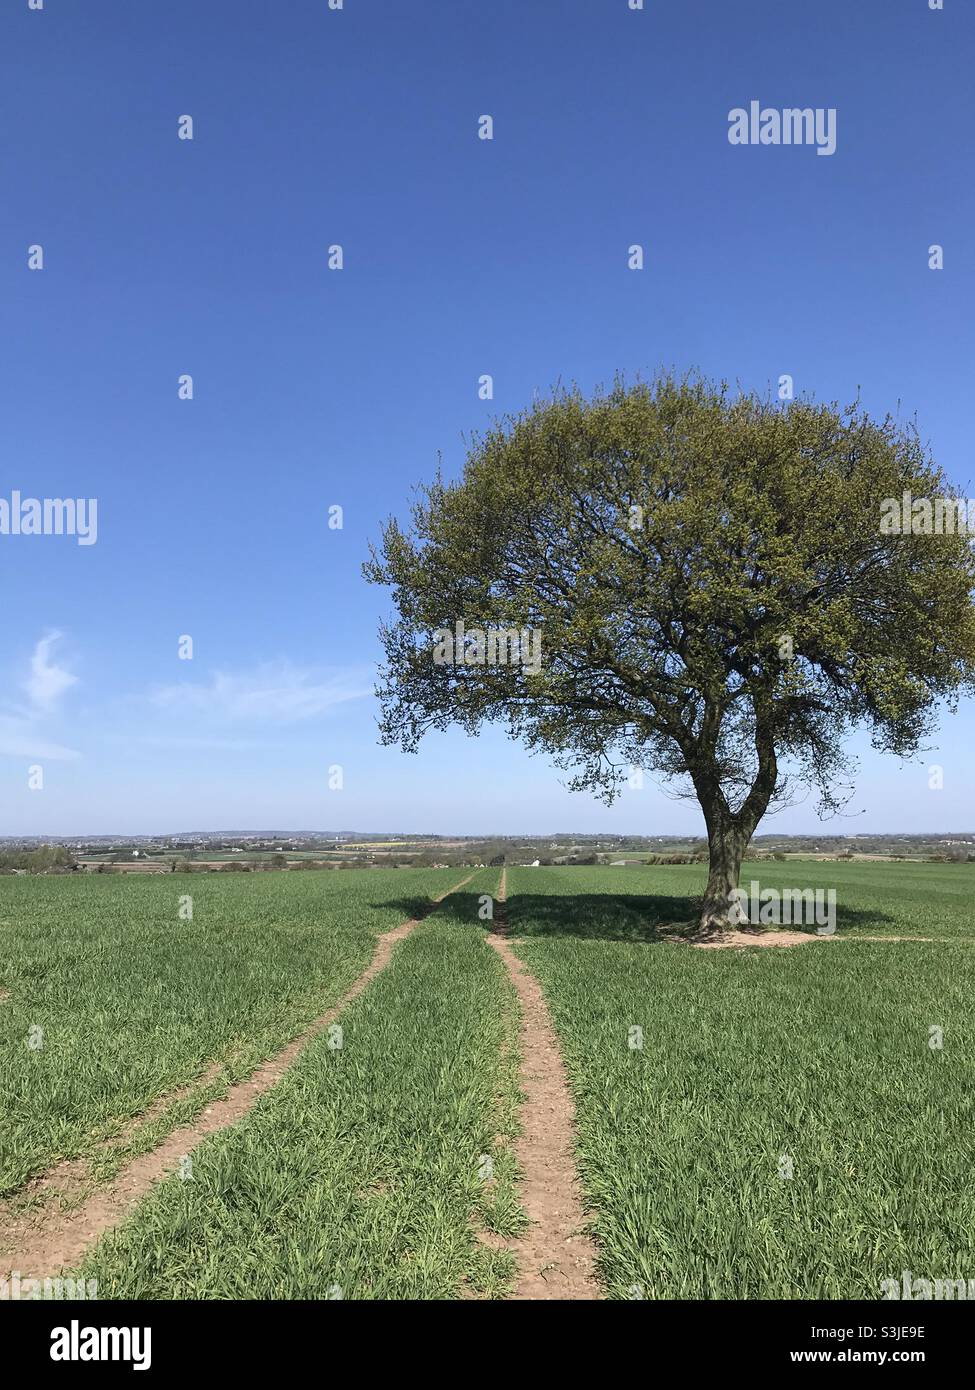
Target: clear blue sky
pixel 314 388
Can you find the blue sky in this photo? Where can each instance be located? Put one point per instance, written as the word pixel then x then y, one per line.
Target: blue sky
pixel 315 388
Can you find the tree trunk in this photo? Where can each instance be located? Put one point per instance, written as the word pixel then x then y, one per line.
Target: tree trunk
pixel 726 845
pixel 730 831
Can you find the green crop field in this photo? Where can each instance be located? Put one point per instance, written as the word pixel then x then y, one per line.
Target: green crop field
pixel 363 1171
pixel 750 1123
pixel 783 1129
pixel 125 998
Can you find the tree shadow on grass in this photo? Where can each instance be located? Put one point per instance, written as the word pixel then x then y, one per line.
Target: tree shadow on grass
pixel 462 908
pixel 409 908
pixel 602 916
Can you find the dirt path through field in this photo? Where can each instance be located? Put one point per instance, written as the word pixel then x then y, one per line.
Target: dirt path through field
pixel 556 1259
pixel 42 1241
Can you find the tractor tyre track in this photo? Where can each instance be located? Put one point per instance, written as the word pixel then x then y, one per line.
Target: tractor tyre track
pixel 40 1243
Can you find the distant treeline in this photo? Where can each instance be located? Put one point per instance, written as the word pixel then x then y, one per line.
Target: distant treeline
pixel 47 859
pixel 697 858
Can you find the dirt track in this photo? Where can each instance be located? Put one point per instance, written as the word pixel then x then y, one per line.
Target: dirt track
pixel 556 1258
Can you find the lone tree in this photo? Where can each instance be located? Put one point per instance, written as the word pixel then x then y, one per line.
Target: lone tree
pixel 708 586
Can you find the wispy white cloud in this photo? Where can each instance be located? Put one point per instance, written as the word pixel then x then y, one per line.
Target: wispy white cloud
pixel 270 693
pixel 24 727
pixel 47 681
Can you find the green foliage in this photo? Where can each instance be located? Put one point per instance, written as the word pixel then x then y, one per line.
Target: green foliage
pixel 43 860
pixel 713 590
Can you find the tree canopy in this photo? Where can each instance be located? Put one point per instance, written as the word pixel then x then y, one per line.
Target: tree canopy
pixel 708 584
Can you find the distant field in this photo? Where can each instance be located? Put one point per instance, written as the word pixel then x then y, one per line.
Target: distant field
pixel 207 856
pixel 381 851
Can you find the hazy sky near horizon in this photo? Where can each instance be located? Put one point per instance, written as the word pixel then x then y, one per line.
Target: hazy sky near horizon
pixel 315 388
